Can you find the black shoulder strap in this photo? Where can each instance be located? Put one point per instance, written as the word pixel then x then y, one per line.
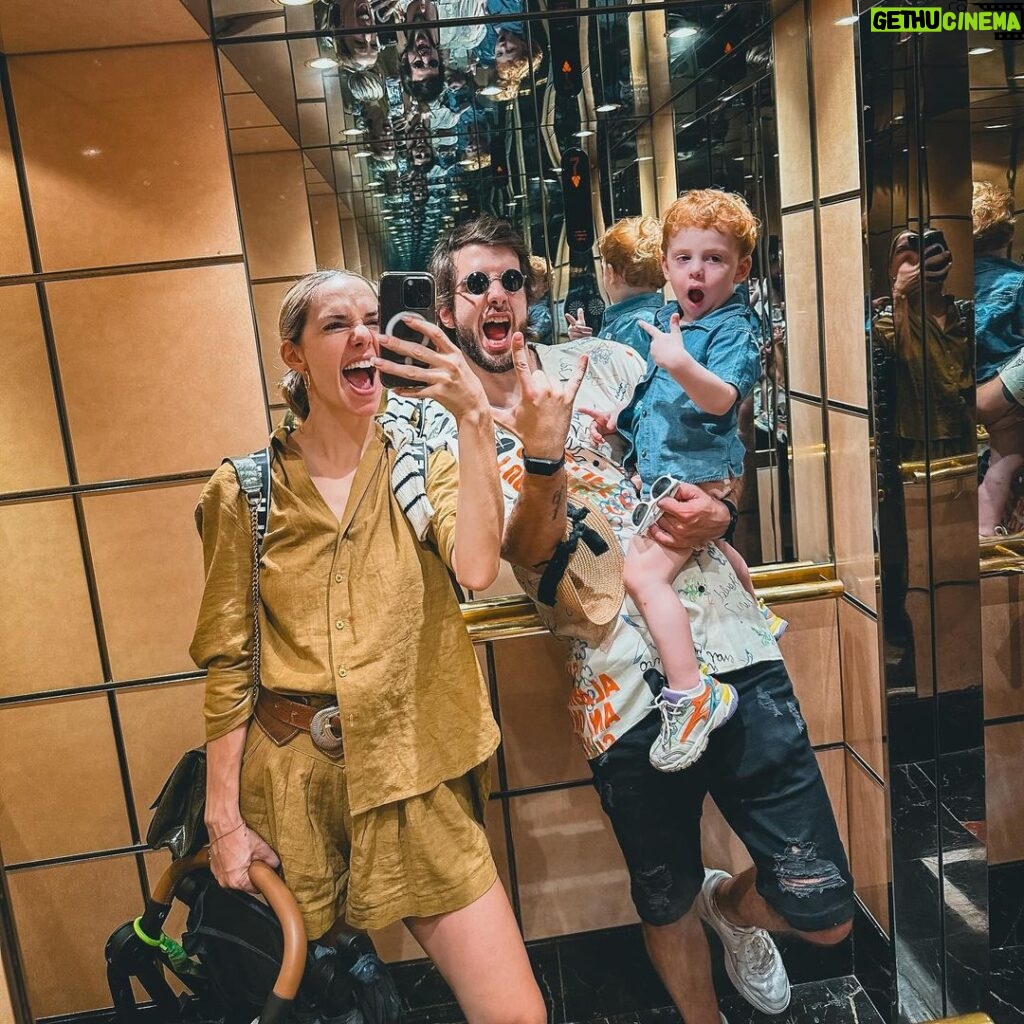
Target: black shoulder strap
pixel 253 472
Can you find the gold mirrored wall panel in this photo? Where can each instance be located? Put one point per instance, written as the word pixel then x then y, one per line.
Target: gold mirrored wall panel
pixel 997 75
pixel 916 132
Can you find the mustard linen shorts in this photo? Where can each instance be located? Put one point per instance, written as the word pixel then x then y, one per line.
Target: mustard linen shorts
pixel 418 857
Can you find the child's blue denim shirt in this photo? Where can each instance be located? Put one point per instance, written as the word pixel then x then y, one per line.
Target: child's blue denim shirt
pixel 998 312
pixel 665 431
pixel 622 319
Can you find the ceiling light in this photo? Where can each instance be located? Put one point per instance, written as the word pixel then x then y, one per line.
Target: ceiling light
pixel 607 108
pixel 374 184
pixel 738 159
pixel 293 3
pixel 322 63
pixel 850 19
pixel 682 32
pixel 977 51
pixel 362 154
pixel 353 131
pixel 490 90
pixel 583 133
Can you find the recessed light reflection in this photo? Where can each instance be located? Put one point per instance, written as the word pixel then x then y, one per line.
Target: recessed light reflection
pixel 490 90
pixel 362 154
pixel 997 126
pixel 91 151
pixel 293 3
pixel 850 19
pixel 353 131
pixel 682 32
pixel 977 51
pixel 607 108
pixel 321 63
pixel 583 133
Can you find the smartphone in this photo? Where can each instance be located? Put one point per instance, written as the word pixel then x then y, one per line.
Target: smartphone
pixel 411 292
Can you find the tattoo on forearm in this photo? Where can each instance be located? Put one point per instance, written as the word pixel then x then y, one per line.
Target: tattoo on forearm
pixel 557 502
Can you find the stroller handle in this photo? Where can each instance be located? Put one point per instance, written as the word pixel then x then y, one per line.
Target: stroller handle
pixel 282 902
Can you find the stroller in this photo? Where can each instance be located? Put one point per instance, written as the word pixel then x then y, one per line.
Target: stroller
pixel 241 960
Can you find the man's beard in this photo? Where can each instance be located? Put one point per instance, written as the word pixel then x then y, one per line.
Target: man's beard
pixel 466 340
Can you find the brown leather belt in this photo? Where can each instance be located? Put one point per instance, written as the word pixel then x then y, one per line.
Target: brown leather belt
pixel 283 718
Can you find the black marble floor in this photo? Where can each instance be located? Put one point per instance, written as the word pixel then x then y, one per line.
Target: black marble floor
pixel 1007 982
pixel 605 976
pixel 836 1001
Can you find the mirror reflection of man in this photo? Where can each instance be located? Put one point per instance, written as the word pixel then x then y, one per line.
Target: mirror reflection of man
pixel 759 767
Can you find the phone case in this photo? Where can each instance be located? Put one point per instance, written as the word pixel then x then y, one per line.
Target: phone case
pixel 393 293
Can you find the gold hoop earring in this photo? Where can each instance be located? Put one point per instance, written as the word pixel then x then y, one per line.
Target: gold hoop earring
pixel 306 380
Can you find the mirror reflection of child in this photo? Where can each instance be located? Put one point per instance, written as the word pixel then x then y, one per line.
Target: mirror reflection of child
pixel 631 282
pixel 681 425
pixel 539 311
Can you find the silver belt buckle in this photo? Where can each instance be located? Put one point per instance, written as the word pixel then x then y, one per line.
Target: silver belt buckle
pixel 321 733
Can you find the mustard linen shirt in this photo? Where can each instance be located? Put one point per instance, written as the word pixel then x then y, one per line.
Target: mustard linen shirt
pixel 358 610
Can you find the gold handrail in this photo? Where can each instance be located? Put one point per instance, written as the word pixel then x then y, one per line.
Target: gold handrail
pixel 513 615
pixel 964 1018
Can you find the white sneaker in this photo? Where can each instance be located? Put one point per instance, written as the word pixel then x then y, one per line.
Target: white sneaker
pixel 687 724
pixel 752 959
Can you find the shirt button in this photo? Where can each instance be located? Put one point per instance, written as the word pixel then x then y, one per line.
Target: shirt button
pixel 338 577
pixel 340 624
pixel 343 672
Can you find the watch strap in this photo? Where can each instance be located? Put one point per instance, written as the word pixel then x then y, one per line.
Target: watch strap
pixel 542 467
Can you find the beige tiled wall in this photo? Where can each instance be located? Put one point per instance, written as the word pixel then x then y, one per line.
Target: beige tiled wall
pixel 139 329
pixel 829 374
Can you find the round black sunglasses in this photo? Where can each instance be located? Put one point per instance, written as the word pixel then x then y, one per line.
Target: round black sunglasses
pixel 478 282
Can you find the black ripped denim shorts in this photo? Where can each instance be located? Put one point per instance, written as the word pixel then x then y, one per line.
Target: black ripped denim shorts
pixel 762 773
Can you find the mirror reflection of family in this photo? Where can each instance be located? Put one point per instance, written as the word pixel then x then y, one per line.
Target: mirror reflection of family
pixel 349 730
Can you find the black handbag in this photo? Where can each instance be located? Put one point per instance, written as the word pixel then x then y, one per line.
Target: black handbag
pixel 178 823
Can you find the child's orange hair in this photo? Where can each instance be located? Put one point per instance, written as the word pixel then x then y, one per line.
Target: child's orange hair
pixel 706 208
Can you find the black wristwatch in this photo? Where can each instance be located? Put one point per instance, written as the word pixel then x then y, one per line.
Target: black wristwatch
pixel 543 467
pixel 734 515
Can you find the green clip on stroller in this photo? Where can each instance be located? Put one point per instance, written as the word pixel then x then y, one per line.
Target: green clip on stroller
pixel 241 960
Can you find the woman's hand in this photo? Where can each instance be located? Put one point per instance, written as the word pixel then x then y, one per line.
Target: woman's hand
pixel 447 376
pixel 578 326
pixel 602 423
pixel 233 851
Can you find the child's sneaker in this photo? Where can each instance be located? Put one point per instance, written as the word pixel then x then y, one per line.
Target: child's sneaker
pixel 776 624
pixel 687 723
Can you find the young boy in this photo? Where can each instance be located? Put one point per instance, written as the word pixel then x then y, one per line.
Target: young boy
pixel 681 426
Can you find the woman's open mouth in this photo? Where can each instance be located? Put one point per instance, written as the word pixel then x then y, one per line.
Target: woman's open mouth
pixel 360 376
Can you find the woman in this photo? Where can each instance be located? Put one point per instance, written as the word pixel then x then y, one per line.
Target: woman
pixel 360 631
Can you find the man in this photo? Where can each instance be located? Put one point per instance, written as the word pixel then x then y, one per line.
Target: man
pixel 759 768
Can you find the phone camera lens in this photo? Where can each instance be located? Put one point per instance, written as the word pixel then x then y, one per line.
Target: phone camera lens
pixel 417 294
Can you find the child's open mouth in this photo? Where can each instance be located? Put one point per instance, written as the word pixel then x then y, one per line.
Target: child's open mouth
pixel 361 376
pixel 696 295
